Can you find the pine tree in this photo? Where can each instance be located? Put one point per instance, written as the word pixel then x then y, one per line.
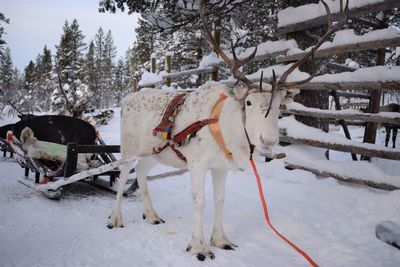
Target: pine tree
pixel 91 75
pixel 142 49
pixel 99 59
pixel 29 80
pixel 77 48
pixel 110 52
pixel 44 81
pixel 69 69
pixel 120 80
pixel 2 42
pixel 6 76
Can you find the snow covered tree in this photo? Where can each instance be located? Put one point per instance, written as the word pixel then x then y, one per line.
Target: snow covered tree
pixel 69 56
pixel 91 76
pixel 2 42
pixel 99 59
pixel 170 15
pixel 45 82
pixel 110 52
pixel 69 67
pixel 6 77
pixel 141 50
pixel 121 81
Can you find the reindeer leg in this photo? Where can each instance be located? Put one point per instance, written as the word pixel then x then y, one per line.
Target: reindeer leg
pixel 142 170
pixel 197 246
pixel 218 237
pixel 115 220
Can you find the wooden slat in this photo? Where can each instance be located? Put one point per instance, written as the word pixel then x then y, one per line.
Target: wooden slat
pixel 337 50
pixel 355 12
pixel 349 179
pixel 355 95
pixel 343 86
pixel 330 114
pixel 353 148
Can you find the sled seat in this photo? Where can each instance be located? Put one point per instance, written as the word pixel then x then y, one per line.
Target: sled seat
pixel 57 132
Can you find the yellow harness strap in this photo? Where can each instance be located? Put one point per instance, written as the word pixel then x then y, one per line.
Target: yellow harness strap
pixel 216 129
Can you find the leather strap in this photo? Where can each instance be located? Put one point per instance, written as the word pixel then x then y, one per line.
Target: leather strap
pixel 215 128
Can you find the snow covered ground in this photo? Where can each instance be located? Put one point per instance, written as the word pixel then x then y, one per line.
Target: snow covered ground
pixel 333 222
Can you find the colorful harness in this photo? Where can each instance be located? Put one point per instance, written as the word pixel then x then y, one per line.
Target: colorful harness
pixel 164 129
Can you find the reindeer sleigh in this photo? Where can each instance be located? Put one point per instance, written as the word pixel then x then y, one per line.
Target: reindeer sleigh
pixel 55 146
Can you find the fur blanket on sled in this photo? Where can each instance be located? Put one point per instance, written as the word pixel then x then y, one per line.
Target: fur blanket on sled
pixel 49 151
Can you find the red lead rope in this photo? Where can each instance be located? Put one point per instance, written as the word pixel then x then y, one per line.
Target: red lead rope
pixel 264 205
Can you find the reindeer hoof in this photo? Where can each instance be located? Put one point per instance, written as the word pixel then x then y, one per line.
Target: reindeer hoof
pixel 154 221
pixel 159 221
pixel 110 226
pixel 227 247
pixel 201 257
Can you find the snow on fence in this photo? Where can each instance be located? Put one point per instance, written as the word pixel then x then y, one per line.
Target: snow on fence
pixel 348 114
pixel 370 78
pixel 313 15
pixel 292 131
pixel 266 50
pixel 346 41
pixel 360 172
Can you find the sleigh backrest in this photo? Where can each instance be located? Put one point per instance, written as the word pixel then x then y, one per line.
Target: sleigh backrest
pixel 58 129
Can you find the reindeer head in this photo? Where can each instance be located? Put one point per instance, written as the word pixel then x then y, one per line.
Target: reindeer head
pixel 261 102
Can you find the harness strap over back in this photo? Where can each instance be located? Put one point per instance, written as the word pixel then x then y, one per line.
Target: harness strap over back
pixel 215 129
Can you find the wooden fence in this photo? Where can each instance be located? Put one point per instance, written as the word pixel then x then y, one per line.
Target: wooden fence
pixel 342 88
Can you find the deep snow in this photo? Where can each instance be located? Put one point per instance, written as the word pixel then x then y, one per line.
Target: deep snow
pixel 333 222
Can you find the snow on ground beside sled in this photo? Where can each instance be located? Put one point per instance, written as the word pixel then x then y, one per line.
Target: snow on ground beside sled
pixel 333 222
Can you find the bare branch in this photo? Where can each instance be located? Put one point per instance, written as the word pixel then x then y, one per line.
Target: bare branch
pixel 233 64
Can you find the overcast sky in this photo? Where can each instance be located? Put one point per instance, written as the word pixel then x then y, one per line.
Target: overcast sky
pixel 36 23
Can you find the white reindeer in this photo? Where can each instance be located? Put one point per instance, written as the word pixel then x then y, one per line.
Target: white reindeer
pixel 249 110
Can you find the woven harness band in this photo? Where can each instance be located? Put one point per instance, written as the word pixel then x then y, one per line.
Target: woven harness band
pixel 164 129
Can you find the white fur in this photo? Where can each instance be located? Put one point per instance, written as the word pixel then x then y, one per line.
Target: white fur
pixel 35 150
pixel 142 112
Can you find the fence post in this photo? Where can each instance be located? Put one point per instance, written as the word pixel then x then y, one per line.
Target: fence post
pixel 168 67
pixel 373 107
pixel 217 37
pixel 153 63
pixel 135 84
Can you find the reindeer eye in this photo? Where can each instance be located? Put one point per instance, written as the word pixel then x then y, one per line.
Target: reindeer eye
pixel 248 103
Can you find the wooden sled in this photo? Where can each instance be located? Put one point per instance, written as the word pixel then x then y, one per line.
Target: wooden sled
pixel 79 137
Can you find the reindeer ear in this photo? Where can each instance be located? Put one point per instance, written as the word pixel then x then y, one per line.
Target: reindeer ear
pixel 288 95
pixel 239 92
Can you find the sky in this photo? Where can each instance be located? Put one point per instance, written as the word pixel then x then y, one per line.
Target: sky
pixel 36 23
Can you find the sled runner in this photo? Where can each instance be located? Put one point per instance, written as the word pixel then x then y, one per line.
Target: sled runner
pixel 60 146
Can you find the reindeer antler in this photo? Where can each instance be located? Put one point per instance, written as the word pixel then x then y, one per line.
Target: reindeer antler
pixel 234 64
pixel 332 27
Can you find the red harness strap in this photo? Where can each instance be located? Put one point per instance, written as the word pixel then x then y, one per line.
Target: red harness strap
pixel 164 129
pixel 183 137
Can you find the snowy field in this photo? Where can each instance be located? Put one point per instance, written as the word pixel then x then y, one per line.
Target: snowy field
pixel 333 222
